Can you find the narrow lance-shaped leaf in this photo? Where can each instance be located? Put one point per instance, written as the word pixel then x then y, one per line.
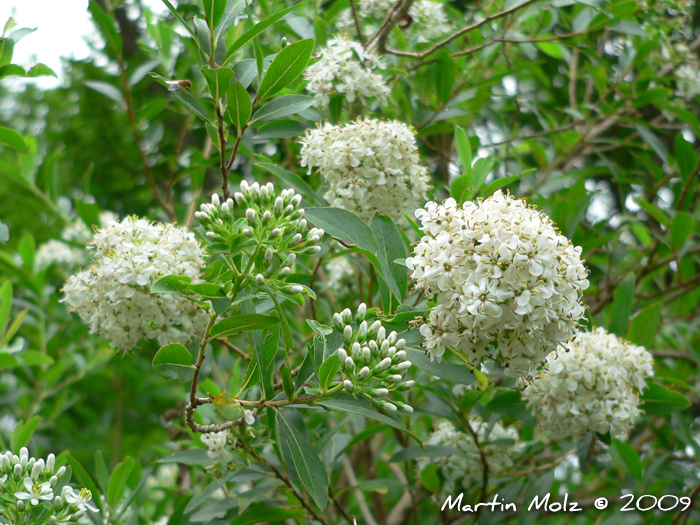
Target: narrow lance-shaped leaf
pixel 621 307
pixel 240 107
pixel 286 68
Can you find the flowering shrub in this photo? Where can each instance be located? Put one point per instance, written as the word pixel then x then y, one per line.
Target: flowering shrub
pixel 384 262
pixel 504 279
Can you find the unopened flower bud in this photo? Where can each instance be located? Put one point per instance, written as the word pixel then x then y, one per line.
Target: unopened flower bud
pixel 50 462
pixel 52 520
pixel 392 337
pixel 384 348
pixel 250 214
pixel 266 216
pixel 349 363
pixel 356 350
pixel 400 344
pixel 61 471
pixel 269 253
pixel 362 331
pixel 53 480
pixel 347 315
pixel 295 288
pixel 296 200
pixel 374 329
pixel 347 385
pixel 407 408
pixel 403 366
pixel 260 279
pixel 18 470
pixel 296 239
pixel 276 232
pixel 384 364
pixel 361 312
pixel 391 352
pixel 20 505
pixel 342 355
pixel 37 469
pixel 381 334
pixel 399 356
pixel 366 354
pixel 395 378
pixel 215 200
pixel 303 224
pixel 338 321
pixel 381 392
pixel 291 259
pixel 363 373
pixel 211 235
pixel 279 204
pixel 389 407
pixel 58 502
pixel 284 272
pixel 407 385
pixel 347 334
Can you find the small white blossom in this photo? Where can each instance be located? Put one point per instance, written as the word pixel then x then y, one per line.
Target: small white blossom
pixel 369 165
pixel 346 69
pixel 35 491
pixel 592 386
pixel 499 444
pixel 81 500
pixel 113 295
pixel 504 280
pixel 687 81
pixel 429 20
pixel 216 442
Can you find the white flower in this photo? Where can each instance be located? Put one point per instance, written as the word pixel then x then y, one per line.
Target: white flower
pixel 216 441
pixel 592 386
pixel 687 81
pixel 504 281
pixel 346 69
pixel 429 20
pixel 35 491
pixel 249 417
pixel 368 165
pixel 338 271
pixel 499 445
pixel 81 500
pixel 113 295
pixel 64 252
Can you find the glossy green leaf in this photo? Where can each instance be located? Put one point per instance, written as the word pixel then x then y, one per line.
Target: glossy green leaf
pixel 242 323
pixel 287 66
pixel 174 361
pixel 296 182
pixel 282 107
pixel 329 369
pixel 266 515
pixel 22 433
pixel 645 325
pixel 659 401
pixel 682 227
pixel 218 80
pixel 444 370
pixel 240 107
pixel 621 306
pixel 628 457
pixel 214 12
pixel 9 137
pixel 118 481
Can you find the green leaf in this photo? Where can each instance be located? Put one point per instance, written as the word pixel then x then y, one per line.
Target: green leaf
pixel 686 157
pixel 551 49
pixel 445 75
pixel 22 433
pixel 255 31
pixel 12 70
pixel 218 80
pixel 9 137
pixel 282 107
pixel 206 289
pixel 481 169
pixel 5 304
pixel 287 66
pixel 296 182
pixel 464 150
pixel 391 248
pixel 266 515
pixel 108 90
pixel 118 481
pixel 41 70
pixel 329 369
pixel 355 406
pixel 287 383
pixel 660 401
pixel 621 306
pixel 653 210
pixel 226 406
pixel 214 12
pixel 265 352
pixel 174 361
pixel 351 230
pixel 178 16
pixel 628 457
pixel 681 228
pixel 195 456
pixel 308 464
pixel 444 370
pixel 281 129
pixel 644 326
pixel 509 403
pixel 239 105
pixel 652 141
pixel 143 70
pixel 105 24
pixel 497 184
pixel 429 478
pixel 171 284
pixel 232 9
pixel 242 323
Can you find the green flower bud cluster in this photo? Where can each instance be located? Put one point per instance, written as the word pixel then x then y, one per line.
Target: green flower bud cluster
pixel 272 233
pixel 372 363
pixel 27 482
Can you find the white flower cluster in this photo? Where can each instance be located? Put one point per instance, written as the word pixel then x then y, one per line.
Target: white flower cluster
pixel 64 252
pixel 688 81
pixel 372 363
pixel 113 295
pixel 26 482
pixel 216 442
pixel 504 280
pixel 274 223
pixel 429 20
pixel 369 165
pixel 499 444
pixel 338 272
pixel 346 69
pixel 592 386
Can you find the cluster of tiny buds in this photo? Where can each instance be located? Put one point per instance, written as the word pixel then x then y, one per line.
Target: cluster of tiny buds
pixel 372 362
pixel 35 467
pixel 274 222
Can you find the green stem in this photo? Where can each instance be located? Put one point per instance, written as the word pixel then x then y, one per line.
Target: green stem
pixel 286 330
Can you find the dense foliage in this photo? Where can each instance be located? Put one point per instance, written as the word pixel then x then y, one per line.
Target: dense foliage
pixel 337 261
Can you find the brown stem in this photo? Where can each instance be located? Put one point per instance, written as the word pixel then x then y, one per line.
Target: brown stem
pixel 223 166
pixel 396 13
pixel 126 90
pixel 356 19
